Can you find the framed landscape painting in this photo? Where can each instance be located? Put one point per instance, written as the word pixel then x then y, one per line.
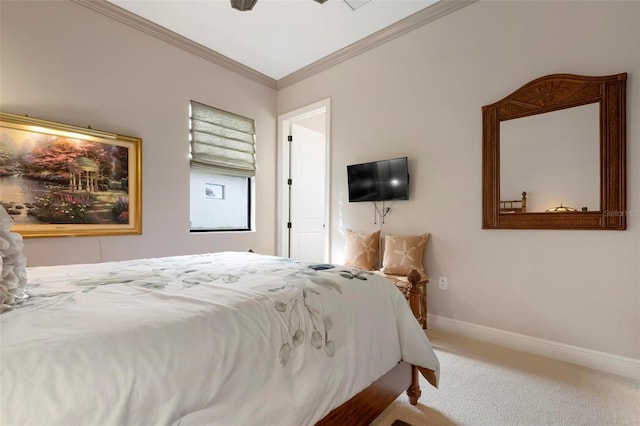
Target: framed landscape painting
pixel 61 180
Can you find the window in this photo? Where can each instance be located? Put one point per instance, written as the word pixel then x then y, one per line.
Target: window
pixel 222 151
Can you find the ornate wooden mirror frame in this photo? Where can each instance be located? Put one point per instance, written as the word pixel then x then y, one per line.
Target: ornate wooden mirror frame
pixel 552 93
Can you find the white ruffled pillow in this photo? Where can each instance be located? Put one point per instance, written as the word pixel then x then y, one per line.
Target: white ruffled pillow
pixel 12 263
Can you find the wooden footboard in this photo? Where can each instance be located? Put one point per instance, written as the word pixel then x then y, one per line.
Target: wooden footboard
pixel 365 406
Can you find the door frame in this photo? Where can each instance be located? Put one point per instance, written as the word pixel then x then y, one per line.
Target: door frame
pixel 284 126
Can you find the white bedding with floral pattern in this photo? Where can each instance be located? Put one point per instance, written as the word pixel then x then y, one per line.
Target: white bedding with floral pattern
pixel 225 338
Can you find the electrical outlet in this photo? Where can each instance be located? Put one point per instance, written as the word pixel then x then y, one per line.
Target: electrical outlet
pixel 442 283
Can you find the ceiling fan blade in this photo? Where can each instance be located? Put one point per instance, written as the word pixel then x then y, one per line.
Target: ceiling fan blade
pixel 243 5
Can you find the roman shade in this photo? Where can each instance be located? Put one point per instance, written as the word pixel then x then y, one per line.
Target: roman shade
pixel 222 141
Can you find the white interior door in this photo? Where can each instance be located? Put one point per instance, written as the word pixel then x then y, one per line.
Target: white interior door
pixel 304 220
pixel 308 189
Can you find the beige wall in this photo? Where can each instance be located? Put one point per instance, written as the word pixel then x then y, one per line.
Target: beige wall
pixel 63 62
pixel 420 95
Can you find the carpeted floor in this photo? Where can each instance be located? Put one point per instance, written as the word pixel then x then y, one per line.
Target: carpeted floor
pixel 485 384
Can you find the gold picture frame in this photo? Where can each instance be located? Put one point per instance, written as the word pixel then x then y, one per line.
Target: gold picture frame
pixel 58 180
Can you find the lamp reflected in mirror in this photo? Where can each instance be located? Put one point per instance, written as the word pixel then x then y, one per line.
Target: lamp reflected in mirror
pixel 560 209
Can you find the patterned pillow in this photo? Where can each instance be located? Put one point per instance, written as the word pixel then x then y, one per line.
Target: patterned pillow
pixel 402 253
pixel 362 249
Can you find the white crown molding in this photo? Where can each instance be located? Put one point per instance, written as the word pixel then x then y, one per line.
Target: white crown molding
pixel 155 30
pixel 602 361
pixel 411 22
pixel 426 15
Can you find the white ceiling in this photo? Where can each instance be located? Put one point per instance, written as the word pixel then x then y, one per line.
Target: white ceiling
pixel 277 37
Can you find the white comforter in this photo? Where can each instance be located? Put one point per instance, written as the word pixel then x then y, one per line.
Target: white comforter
pixel 225 338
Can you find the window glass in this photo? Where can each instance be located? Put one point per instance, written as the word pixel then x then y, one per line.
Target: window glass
pixel 219 202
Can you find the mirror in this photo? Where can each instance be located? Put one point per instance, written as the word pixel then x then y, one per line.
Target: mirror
pixel 559 141
pixel 554 157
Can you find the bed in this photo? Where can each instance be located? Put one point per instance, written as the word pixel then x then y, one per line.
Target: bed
pixel 514 206
pixel 220 338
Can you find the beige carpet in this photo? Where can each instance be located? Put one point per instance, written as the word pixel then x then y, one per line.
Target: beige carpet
pixel 485 384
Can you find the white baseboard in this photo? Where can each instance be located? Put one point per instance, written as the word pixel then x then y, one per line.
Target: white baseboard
pixel 602 361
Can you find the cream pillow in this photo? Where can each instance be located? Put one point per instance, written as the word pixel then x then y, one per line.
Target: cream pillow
pixel 402 253
pixel 362 249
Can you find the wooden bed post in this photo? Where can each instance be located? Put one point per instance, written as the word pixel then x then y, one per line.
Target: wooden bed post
pixel 416 294
pixel 414 391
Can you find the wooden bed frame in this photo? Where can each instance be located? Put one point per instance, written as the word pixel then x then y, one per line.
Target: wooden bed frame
pixel 514 206
pixel 365 406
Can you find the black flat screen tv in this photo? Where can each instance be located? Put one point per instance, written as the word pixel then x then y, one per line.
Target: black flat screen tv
pixel 379 180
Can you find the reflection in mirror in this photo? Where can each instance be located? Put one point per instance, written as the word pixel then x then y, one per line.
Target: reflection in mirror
pixel 554 157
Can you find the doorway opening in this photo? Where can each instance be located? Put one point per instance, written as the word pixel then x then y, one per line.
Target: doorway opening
pixel 303 183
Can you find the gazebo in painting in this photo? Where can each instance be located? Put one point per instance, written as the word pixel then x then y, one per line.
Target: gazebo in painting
pixel 84 174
